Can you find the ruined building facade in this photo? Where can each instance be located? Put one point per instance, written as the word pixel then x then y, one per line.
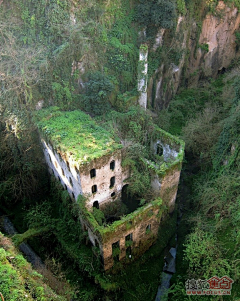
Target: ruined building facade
pixel 103 180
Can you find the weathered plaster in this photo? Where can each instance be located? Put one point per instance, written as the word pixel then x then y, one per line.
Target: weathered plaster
pixel 142 76
pixel 102 179
pixel 78 180
pixel 135 225
pixel 61 171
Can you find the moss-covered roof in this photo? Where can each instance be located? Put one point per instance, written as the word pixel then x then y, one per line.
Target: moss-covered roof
pixel 75 133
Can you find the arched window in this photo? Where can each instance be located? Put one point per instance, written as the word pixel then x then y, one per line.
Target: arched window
pixel 96 204
pixel 148 229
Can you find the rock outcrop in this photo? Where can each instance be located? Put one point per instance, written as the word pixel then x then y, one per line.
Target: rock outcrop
pixel 218 35
pixel 205 52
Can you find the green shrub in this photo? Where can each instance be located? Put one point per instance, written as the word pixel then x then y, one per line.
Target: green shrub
pixel 10 285
pixel 20 261
pixel 2 255
pixel 200 250
pixel 98 90
pixel 155 14
pixel 181 7
pixel 204 47
pixel 99 216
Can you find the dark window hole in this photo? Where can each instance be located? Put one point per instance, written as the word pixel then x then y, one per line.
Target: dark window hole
pixel 96 204
pixel 112 182
pixel 92 173
pixel 112 165
pixel 94 188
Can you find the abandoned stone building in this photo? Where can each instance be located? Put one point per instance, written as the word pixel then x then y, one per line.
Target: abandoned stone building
pixel 87 161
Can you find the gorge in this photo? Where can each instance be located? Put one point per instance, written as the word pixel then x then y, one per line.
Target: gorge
pixel 132 67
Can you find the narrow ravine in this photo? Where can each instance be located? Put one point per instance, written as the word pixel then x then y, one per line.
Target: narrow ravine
pixel 28 252
pixel 170 259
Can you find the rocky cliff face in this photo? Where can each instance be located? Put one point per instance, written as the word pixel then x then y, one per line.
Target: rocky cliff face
pixel 218 33
pixel 203 55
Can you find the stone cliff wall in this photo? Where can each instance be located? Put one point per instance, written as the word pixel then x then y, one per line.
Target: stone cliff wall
pixel 218 33
pixel 206 50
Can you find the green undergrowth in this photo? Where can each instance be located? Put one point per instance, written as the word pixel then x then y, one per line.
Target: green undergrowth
pixel 18 281
pixel 69 245
pixel 209 123
pixel 140 279
pixel 138 131
pixel 125 223
pixel 75 134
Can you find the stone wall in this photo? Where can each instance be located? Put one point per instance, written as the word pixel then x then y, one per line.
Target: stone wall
pixel 106 168
pixel 169 187
pixel 142 76
pixel 135 233
pixel 143 236
pixel 166 185
pixel 217 33
pixel 67 174
pixel 79 181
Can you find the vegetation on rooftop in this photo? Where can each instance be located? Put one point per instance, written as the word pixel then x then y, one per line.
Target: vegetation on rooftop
pixel 84 55
pixel 138 130
pixel 105 231
pixel 75 133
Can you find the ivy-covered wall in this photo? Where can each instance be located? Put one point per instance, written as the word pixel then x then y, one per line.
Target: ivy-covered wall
pixel 134 224
pixel 143 224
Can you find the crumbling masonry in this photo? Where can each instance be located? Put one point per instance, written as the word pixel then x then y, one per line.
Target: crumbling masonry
pixel 101 179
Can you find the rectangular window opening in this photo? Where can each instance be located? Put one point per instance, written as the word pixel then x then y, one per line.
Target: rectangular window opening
pixel 71 182
pixel 68 166
pixel 94 188
pixel 129 237
pixel 116 251
pixel 129 252
pixel 112 165
pixel 93 173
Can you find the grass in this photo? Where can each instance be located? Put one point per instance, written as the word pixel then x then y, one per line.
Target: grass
pixel 76 134
pixel 18 281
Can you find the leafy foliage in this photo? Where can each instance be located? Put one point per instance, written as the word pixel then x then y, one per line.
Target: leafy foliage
pixel 75 132
pixel 17 278
pixel 21 173
pixel 98 90
pixel 201 248
pixel 155 14
pixel 212 246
